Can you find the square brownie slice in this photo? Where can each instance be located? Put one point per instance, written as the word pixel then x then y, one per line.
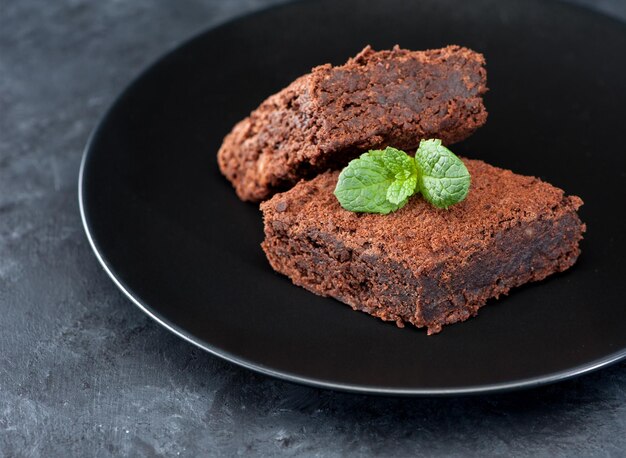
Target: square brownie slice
pixel 326 118
pixel 423 265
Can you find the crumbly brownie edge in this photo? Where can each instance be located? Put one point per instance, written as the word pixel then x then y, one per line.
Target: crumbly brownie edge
pixel 243 157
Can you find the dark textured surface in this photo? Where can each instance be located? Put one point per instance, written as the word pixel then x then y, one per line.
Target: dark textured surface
pixel 85 373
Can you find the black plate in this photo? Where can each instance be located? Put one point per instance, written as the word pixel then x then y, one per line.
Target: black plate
pixel 171 233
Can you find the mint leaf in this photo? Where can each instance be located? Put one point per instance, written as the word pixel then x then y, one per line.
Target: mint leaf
pixel 405 174
pixel 443 179
pixel 380 181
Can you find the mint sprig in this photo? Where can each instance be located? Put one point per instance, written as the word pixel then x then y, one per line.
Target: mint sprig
pixel 381 181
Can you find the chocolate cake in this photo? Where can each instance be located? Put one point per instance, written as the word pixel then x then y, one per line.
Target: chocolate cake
pixel 333 114
pixel 422 265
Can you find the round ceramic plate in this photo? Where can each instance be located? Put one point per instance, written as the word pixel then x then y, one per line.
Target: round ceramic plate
pixel 171 233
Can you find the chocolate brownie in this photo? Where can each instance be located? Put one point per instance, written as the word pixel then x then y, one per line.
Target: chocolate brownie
pixel 331 115
pixel 422 265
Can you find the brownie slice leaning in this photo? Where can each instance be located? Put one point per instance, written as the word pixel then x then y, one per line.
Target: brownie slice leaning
pixel 326 118
pixel 422 265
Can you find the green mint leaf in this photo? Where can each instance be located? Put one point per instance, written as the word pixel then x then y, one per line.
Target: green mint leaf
pixel 443 179
pixel 404 170
pixel 380 181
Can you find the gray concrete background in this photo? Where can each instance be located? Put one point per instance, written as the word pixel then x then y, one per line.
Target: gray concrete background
pixel 84 373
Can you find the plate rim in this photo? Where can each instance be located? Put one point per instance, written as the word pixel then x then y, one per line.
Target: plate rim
pixel 526 383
